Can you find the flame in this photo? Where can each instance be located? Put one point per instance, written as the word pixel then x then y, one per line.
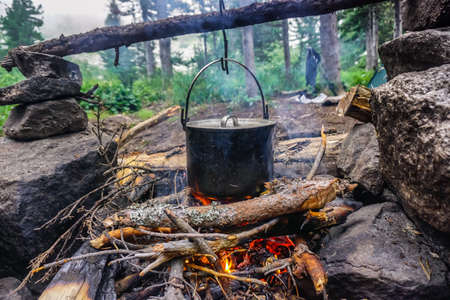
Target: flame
pixel 227 263
pixel 204 200
pixel 274 245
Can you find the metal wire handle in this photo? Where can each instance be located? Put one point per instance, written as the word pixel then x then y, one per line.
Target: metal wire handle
pixel 184 112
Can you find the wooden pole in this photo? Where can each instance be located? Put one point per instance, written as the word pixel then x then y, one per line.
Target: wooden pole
pixel 117 36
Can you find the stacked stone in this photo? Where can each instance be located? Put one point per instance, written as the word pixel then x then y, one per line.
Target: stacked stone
pixel 46 106
pixel 406 150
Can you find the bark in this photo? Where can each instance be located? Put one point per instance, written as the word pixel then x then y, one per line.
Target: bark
pixel 80 279
pixel 329 45
pixel 150 64
pixel 116 36
pixel 149 46
pixel 174 292
pixel 372 39
pixel 287 51
pixel 397 20
pixel 296 196
pixel 356 104
pixel 165 43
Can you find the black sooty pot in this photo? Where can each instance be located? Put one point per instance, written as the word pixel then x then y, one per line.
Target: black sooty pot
pixel 228 158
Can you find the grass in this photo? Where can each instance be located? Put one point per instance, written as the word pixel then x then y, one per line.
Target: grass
pixel 144 114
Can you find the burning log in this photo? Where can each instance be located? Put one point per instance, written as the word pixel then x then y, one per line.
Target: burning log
pixel 356 104
pixel 333 213
pixel 296 196
pixel 117 36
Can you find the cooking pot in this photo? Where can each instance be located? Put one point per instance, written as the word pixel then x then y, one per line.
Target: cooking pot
pixel 228 158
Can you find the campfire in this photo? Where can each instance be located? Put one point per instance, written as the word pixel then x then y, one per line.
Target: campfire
pixel 259 247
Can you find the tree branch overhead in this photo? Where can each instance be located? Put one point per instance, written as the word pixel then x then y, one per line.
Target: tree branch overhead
pixel 117 36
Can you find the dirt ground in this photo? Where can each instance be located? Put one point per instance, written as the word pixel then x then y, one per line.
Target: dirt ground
pixel 294 120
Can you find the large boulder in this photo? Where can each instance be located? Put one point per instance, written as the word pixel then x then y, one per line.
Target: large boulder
pixel 378 254
pixel 39 89
pixel 8 285
pixel 420 15
pixel 412 118
pixel 416 51
pixel 359 158
pixel 41 120
pixel 38 179
pixel 33 64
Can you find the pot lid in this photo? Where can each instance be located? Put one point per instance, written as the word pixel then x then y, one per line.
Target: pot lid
pixel 230 123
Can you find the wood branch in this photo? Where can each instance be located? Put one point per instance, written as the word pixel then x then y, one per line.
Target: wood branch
pixel 188 248
pixel 201 243
pixel 230 276
pixel 116 36
pixel 174 291
pixel 323 146
pixel 308 263
pixel 78 279
pixel 144 125
pixel 356 104
pixel 293 197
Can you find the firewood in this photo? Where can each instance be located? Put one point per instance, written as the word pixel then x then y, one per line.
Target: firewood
pixel 174 291
pixel 323 146
pixel 294 197
pixel 117 36
pixel 306 262
pixel 78 279
pixel 356 104
pixel 201 243
pixel 144 125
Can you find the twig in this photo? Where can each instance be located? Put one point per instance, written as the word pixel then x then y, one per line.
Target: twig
pixel 201 243
pixel 218 274
pixel 319 155
pixel 84 256
pixel 156 263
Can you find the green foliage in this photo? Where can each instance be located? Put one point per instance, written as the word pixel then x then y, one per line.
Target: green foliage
pixel 355 76
pixel 20 24
pixel 6 79
pixel 149 90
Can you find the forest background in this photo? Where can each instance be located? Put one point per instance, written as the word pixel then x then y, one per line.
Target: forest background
pixel 156 71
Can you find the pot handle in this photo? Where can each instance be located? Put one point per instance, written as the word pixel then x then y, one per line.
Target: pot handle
pixel 184 111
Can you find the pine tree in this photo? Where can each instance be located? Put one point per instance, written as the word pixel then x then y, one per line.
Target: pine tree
pixel 20 24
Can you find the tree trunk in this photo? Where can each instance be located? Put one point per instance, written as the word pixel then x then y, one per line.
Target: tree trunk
pixel 164 44
pixel 205 35
pixel 150 64
pixel 398 20
pixel 249 56
pixel 372 39
pixel 329 45
pixel 114 37
pixel 287 51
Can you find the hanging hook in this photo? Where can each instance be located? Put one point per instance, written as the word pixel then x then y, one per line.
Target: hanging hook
pixel 224 62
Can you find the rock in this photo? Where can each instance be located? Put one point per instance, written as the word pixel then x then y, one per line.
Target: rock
pixel 9 284
pixel 376 254
pixel 41 120
pixel 38 89
pixel 33 64
pixel 412 118
pixel 359 158
pixel 420 15
pixel 38 179
pixel 416 51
